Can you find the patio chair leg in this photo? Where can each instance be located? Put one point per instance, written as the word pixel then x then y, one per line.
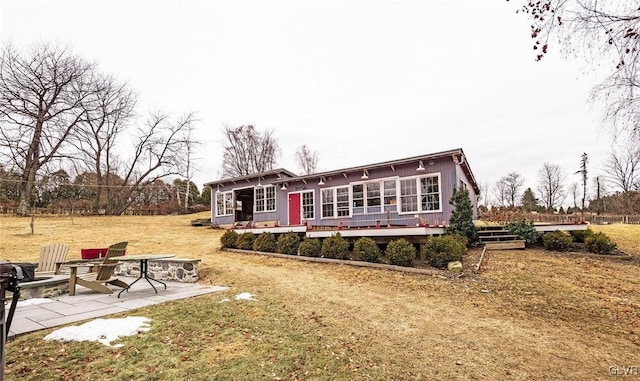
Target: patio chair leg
pixel 72 281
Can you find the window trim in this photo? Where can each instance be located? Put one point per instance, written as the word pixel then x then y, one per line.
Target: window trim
pixel 266 199
pixel 417 179
pixel 313 203
pixel 395 188
pixel 334 202
pixel 383 207
pixel 224 204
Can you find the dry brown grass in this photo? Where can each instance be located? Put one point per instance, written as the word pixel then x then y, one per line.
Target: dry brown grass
pixel 527 315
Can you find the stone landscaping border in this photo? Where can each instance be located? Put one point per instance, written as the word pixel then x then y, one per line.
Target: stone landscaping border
pixel 382 266
pixel 183 270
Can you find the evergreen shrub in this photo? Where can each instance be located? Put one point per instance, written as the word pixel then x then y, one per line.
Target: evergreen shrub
pixel 558 241
pixel 400 252
pixel 228 239
pixel 335 247
pixel 523 230
pixel 245 241
pixel 367 250
pixel 310 247
pixel 581 235
pixel 442 250
pixel 288 243
pixel 265 242
pixel 599 243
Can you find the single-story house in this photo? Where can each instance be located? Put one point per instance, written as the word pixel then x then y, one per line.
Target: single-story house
pixel 404 193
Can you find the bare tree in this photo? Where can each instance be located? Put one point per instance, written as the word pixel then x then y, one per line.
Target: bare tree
pixel 484 199
pixel 190 144
pixel 307 160
pixel 512 184
pixel 500 193
pixel 107 114
pixel 247 151
pixel 606 33
pixel 550 179
pixel 41 98
pixel 574 189
pixel 623 168
pixel 158 148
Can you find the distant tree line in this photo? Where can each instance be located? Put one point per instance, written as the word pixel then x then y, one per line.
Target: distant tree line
pixel 59 192
pixel 615 191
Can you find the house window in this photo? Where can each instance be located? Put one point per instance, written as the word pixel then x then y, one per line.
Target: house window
pixel 409 195
pixel 327 203
pixel 271 198
pixel 430 193
pixel 420 194
pixel 366 197
pixel 224 204
pixel 265 198
pixel 390 193
pixel 373 194
pixel 342 202
pixel 335 202
pixel 358 195
pixel 307 205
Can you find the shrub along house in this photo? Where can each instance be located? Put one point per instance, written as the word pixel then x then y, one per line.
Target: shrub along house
pixel 404 197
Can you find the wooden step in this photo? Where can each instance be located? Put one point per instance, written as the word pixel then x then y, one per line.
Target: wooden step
pixel 492 232
pixel 492 238
pixel 505 245
pixel 491 228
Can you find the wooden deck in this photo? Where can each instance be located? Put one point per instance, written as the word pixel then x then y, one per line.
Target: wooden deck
pixel 494 236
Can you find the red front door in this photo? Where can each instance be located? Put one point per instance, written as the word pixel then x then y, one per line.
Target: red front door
pixel 294 208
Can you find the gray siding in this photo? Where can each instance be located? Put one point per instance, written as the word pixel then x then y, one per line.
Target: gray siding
pixel 450 175
pixel 448 178
pixel 257 216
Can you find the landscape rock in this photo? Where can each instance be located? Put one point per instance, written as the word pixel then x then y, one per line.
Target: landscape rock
pixel 455 266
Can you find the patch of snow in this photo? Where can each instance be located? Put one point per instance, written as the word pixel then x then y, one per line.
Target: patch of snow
pixel 244 296
pixel 224 300
pixel 102 330
pixel 33 302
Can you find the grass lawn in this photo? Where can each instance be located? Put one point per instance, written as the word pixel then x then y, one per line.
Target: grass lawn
pixel 526 315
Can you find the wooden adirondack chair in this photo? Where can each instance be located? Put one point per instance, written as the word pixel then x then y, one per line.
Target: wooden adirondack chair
pixel 100 274
pixel 51 255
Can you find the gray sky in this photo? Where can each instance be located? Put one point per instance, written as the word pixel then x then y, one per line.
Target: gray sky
pixel 358 81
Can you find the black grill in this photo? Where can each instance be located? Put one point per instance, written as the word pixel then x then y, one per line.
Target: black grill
pixel 10 277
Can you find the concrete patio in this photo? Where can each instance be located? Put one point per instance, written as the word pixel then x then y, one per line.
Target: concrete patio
pixel 88 304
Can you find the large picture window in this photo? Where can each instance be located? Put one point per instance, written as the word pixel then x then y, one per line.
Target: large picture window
pixel 265 198
pixel 430 193
pixel 335 202
pixel 224 204
pixel 420 194
pixel 366 197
